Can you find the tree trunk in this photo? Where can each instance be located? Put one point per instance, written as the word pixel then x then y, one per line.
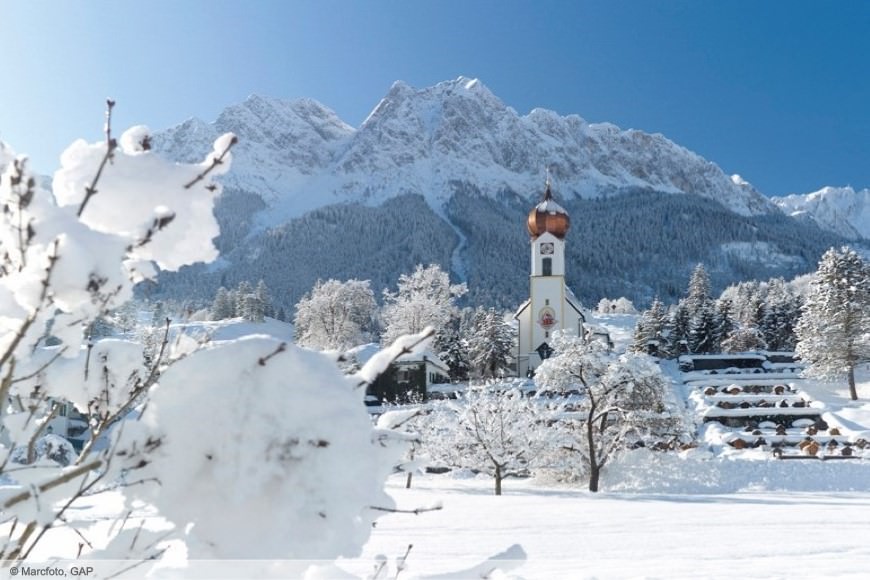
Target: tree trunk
pixel 852 391
pixel 594 468
pixel 410 473
pixel 498 480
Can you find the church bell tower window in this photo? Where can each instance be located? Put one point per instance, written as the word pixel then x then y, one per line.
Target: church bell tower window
pixel 547 266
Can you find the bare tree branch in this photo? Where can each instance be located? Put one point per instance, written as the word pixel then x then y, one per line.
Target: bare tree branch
pixel 264 359
pixel 66 477
pixel 214 163
pixel 111 145
pixel 416 511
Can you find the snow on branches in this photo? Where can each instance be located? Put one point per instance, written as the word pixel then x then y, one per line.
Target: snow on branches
pixel 277 437
pixel 273 434
pixel 834 329
pixel 620 401
pixel 68 257
pixel 493 428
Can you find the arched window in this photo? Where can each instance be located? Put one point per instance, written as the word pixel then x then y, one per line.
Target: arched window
pixel 547 266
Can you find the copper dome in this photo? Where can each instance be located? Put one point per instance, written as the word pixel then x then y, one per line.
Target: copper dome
pixel 548 217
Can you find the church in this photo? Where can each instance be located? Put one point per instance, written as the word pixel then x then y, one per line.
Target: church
pixel 551 305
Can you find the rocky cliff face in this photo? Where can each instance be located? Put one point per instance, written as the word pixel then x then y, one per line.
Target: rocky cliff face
pixel 840 210
pixel 429 140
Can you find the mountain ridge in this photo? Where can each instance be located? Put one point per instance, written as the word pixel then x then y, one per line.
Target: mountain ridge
pixel 842 210
pixel 449 172
pixel 420 140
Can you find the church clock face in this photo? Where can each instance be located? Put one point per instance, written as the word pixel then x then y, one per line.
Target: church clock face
pixel 546 248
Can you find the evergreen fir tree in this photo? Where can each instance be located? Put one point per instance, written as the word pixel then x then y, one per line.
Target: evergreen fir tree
pixel 254 310
pixel 832 333
pixel 262 294
pixel 744 339
pixel 222 307
pixel 703 329
pixel 453 350
pixel 725 324
pixel 780 312
pixel 490 344
pixel 678 327
pixel 649 333
pixel 699 290
pixel 241 297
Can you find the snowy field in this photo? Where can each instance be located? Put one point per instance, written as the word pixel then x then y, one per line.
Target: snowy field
pixel 573 534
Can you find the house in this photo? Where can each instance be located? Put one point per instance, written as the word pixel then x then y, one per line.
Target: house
pixel 409 378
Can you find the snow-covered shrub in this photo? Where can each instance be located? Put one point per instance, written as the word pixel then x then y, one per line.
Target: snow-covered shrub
pixel 251 447
pixel 51 447
pixel 273 434
pixel 69 257
pixel 621 305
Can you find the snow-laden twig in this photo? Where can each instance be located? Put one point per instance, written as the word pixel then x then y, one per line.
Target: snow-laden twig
pixel 111 145
pixel 217 160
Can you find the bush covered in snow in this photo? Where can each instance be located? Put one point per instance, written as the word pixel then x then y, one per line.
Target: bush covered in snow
pixel 250 447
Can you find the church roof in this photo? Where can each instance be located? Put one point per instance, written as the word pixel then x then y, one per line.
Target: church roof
pixel 548 217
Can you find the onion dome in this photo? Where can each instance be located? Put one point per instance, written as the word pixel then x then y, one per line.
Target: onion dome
pixel 548 217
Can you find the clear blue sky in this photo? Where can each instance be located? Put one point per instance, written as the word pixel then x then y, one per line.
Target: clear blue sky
pixel 778 92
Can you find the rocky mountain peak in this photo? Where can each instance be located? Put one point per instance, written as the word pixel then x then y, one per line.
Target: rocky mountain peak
pixel 435 140
pixel 841 210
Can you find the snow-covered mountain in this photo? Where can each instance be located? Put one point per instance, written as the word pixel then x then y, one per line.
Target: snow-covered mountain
pixel 841 210
pixel 299 155
pixel 446 174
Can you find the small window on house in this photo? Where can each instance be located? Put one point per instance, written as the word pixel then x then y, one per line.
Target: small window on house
pixel 547 264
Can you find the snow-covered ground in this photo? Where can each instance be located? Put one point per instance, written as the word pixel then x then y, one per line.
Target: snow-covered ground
pixel 573 534
pixel 233 328
pixel 704 513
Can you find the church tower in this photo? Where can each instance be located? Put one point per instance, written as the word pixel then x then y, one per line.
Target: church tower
pixel 551 305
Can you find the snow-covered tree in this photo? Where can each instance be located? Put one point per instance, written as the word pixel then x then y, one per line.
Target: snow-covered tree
pixel 255 308
pixel 423 298
pixel 622 400
pixel 779 315
pixel 744 339
pixel 677 329
pixel 704 328
pixel 493 428
pixel 223 306
pixel 453 350
pixel 263 297
pixel 649 332
pixel 336 315
pixel 490 344
pixel 699 289
pixel 241 299
pixel 621 305
pixel 834 329
pixel 725 324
